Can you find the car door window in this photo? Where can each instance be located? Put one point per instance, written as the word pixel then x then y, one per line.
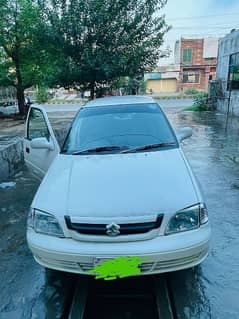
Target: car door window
pixel 37 126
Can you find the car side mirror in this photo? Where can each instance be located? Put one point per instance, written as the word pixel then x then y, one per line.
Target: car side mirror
pixel 42 143
pixel 183 133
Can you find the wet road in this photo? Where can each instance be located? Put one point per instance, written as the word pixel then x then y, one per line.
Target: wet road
pixel 212 291
pixel 209 291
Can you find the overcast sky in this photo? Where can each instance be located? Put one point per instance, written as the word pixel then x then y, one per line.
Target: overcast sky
pixel 199 19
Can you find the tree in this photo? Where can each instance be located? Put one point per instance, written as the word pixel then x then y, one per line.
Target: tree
pixel 102 40
pixel 22 57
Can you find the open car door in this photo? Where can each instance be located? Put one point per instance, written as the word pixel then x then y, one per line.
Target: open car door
pixel 40 144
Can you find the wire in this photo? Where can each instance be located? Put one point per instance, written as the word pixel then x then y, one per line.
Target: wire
pixel 196 36
pixel 205 27
pixel 204 16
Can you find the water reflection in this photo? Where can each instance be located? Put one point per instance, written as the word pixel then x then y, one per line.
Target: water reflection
pixel 190 297
pixel 27 290
pixel 56 295
pixel 213 152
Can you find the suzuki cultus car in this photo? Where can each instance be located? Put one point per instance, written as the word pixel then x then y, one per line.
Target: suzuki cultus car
pixel 119 186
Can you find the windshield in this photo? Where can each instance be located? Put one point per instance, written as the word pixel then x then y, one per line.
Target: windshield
pixel 122 126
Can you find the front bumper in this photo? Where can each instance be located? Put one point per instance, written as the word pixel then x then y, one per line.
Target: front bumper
pixel 164 253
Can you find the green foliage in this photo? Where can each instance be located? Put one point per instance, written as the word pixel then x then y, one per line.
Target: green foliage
pixel 200 103
pixel 143 87
pixel 79 43
pixel 24 60
pixel 102 40
pixel 132 86
pixel 128 85
pixel 42 95
pixel 191 91
pixel 119 83
pixel 20 52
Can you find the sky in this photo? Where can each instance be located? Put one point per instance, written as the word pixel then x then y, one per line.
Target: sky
pixel 199 19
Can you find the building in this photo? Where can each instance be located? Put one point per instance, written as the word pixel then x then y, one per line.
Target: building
pixel 163 80
pixel 198 60
pixel 227 78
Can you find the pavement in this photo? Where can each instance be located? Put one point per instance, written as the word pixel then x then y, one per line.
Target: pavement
pixel 209 291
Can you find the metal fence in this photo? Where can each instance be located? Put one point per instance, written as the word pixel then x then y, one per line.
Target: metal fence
pixel 7 96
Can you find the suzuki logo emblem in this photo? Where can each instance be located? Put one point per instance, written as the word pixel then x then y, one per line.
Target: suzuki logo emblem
pixel 112 230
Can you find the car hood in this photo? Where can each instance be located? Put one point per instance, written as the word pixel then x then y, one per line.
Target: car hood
pixel 117 185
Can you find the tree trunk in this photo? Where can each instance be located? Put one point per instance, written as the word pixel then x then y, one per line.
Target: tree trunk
pixel 19 87
pixel 21 100
pixel 92 90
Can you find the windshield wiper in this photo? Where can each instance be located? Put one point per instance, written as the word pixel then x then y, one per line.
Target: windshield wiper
pixel 147 147
pixel 99 149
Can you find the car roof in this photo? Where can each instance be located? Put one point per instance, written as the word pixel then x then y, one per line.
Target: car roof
pixel 119 100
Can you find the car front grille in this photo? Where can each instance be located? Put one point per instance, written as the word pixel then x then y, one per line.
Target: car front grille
pixel 145 267
pixel 124 229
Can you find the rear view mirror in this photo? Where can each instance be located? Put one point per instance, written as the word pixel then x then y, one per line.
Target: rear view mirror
pixel 42 143
pixel 183 133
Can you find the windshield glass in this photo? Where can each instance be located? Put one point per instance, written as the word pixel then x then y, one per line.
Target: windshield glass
pixel 125 126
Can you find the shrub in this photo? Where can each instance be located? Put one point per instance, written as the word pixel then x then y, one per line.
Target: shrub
pixel 143 87
pixel 201 102
pixel 191 92
pixel 42 95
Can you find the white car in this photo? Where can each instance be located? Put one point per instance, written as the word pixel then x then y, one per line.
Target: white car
pixel 120 186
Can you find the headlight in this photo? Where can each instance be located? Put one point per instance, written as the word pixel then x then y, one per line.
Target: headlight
pixel 184 220
pixel 44 223
pixel 30 218
pixel 203 214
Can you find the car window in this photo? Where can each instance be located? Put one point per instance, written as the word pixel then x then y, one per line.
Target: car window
pixel 37 126
pixel 119 125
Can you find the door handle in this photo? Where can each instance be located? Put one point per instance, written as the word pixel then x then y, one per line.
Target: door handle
pixel 27 150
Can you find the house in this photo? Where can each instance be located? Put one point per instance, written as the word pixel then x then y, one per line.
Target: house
pixel 163 80
pixel 198 60
pixel 227 79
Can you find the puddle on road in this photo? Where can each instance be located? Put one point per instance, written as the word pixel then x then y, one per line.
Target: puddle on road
pixel 27 290
pixel 209 291
pixel 7 185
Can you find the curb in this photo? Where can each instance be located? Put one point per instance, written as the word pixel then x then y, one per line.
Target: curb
pixel 11 158
pixel 63 102
pixel 188 97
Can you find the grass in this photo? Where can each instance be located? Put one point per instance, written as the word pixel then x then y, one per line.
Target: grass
pixel 176 97
pixel 195 108
pixel 192 108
